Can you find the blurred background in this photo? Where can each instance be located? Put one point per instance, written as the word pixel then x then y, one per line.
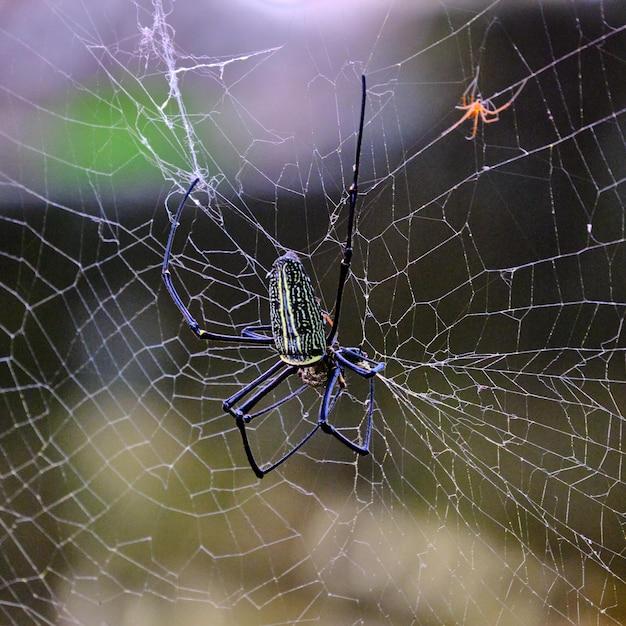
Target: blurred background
pixel 489 274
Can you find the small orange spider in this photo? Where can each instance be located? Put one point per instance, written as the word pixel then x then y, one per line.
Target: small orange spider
pixel 478 109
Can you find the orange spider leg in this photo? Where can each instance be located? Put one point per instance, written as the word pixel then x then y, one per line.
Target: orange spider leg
pixel 468 113
pixel 469 95
pixel 475 127
pixel 467 102
pixel 487 116
pixel 507 104
pixel 328 319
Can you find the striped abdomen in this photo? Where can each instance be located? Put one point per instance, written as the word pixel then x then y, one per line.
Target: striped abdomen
pixel 296 316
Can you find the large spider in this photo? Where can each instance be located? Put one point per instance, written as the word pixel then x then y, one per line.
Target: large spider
pixel 297 335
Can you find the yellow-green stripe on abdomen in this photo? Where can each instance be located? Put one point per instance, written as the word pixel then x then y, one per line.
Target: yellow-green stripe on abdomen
pixel 296 316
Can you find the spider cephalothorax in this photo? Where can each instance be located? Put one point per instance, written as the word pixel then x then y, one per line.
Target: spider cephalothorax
pixel 317 375
pixel 297 335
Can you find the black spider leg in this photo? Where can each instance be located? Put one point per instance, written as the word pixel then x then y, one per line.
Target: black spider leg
pixel 328 402
pixel 292 394
pixel 242 415
pixel 356 360
pixel 253 331
pixel 347 251
pixel 191 322
pixel 229 403
pixel 352 358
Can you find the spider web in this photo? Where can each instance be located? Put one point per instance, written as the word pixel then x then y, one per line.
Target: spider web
pixel 488 274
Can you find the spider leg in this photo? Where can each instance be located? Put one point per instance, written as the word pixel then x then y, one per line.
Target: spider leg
pixel 331 430
pixel 271 407
pixel 474 128
pixel 468 113
pixel 257 397
pixel 262 471
pixel 507 104
pixel 352 359
pixel 188 317
pixel 242 417
pixel 327 318
pixel 353 194
pixel 257 331
pixel 469 95
pixel 242 411
pixel 487 107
